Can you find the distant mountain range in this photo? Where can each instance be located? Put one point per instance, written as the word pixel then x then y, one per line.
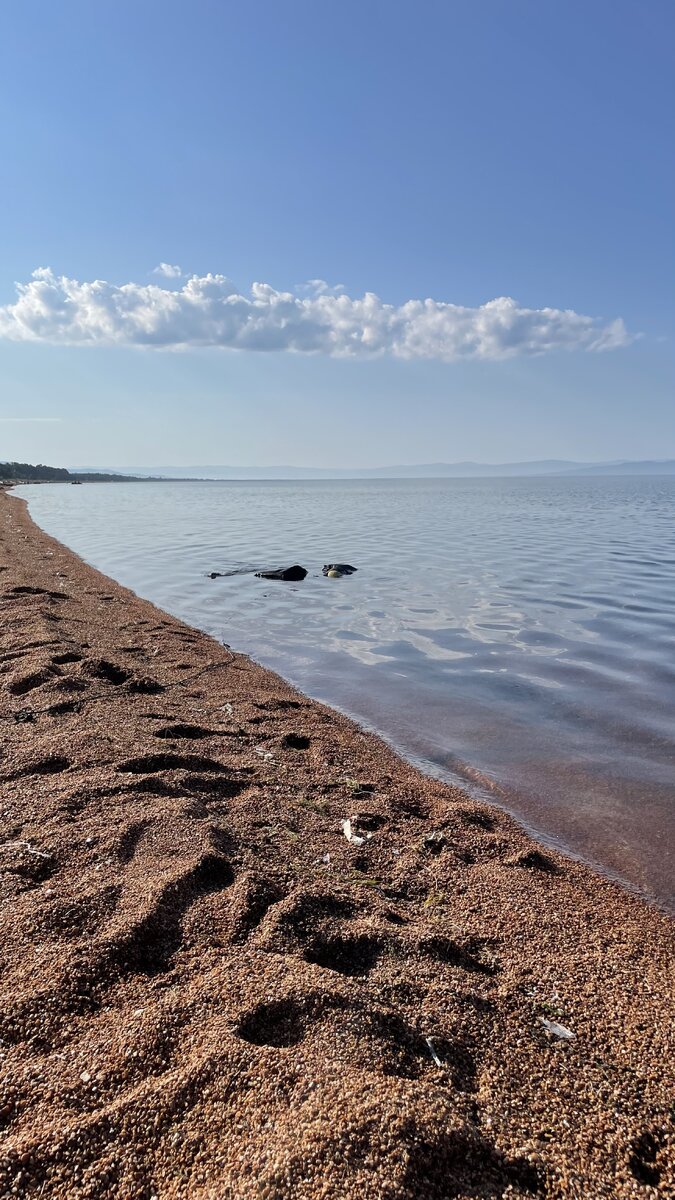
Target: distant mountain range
pixel 460 470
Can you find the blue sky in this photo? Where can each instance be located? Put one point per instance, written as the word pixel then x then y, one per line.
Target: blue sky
pixel 460 152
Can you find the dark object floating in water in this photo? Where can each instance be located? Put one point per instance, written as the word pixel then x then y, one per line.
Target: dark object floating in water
pixel 288 573
pixel 229 574
pixel 76 483
pixel 335 570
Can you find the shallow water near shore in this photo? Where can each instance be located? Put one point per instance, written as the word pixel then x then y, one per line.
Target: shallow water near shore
pixel 513 635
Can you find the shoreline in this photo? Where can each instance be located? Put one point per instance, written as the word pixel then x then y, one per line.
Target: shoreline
pixel 211 992
pixel 585 770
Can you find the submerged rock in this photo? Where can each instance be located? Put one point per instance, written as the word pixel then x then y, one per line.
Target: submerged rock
pixel 287 573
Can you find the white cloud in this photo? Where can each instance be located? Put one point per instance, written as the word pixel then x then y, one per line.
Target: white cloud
pixel 168 271
pixel 210 311
pixel 319 287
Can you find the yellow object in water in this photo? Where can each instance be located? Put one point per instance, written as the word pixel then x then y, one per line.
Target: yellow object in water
pixel 335 574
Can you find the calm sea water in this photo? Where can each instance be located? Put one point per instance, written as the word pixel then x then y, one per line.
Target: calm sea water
pixel 516 635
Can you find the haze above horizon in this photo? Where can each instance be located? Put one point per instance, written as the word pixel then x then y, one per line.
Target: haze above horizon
pixel 381 233
pixel 463 470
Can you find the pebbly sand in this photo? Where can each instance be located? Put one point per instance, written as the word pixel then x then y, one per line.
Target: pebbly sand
pixel 208 991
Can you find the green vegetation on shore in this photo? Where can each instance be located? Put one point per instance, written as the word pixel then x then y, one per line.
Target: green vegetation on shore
pixel 17 472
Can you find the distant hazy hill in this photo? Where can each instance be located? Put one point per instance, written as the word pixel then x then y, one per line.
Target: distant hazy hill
pixel 461 470
pixel 655 467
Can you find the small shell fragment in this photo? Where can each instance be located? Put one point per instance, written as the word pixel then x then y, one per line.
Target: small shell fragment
pixel 352 837
pixel 560 1031
pixel 433 1053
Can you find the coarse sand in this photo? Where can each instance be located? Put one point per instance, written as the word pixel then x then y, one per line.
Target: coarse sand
pixel 209 991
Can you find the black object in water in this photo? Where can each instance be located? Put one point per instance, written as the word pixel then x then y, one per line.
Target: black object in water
pixel 339 568
pixel 288 573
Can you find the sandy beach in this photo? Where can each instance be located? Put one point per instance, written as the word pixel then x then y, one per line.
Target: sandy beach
pixel 249 952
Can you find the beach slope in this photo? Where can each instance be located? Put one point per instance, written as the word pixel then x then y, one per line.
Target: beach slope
pixel 213 987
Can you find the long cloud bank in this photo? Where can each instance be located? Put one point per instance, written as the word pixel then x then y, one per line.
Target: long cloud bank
pixel 210 311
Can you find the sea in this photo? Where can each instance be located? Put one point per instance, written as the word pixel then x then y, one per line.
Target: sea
pixel 512 635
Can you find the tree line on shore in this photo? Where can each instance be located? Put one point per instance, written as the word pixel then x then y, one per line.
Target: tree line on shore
pixel 18 472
